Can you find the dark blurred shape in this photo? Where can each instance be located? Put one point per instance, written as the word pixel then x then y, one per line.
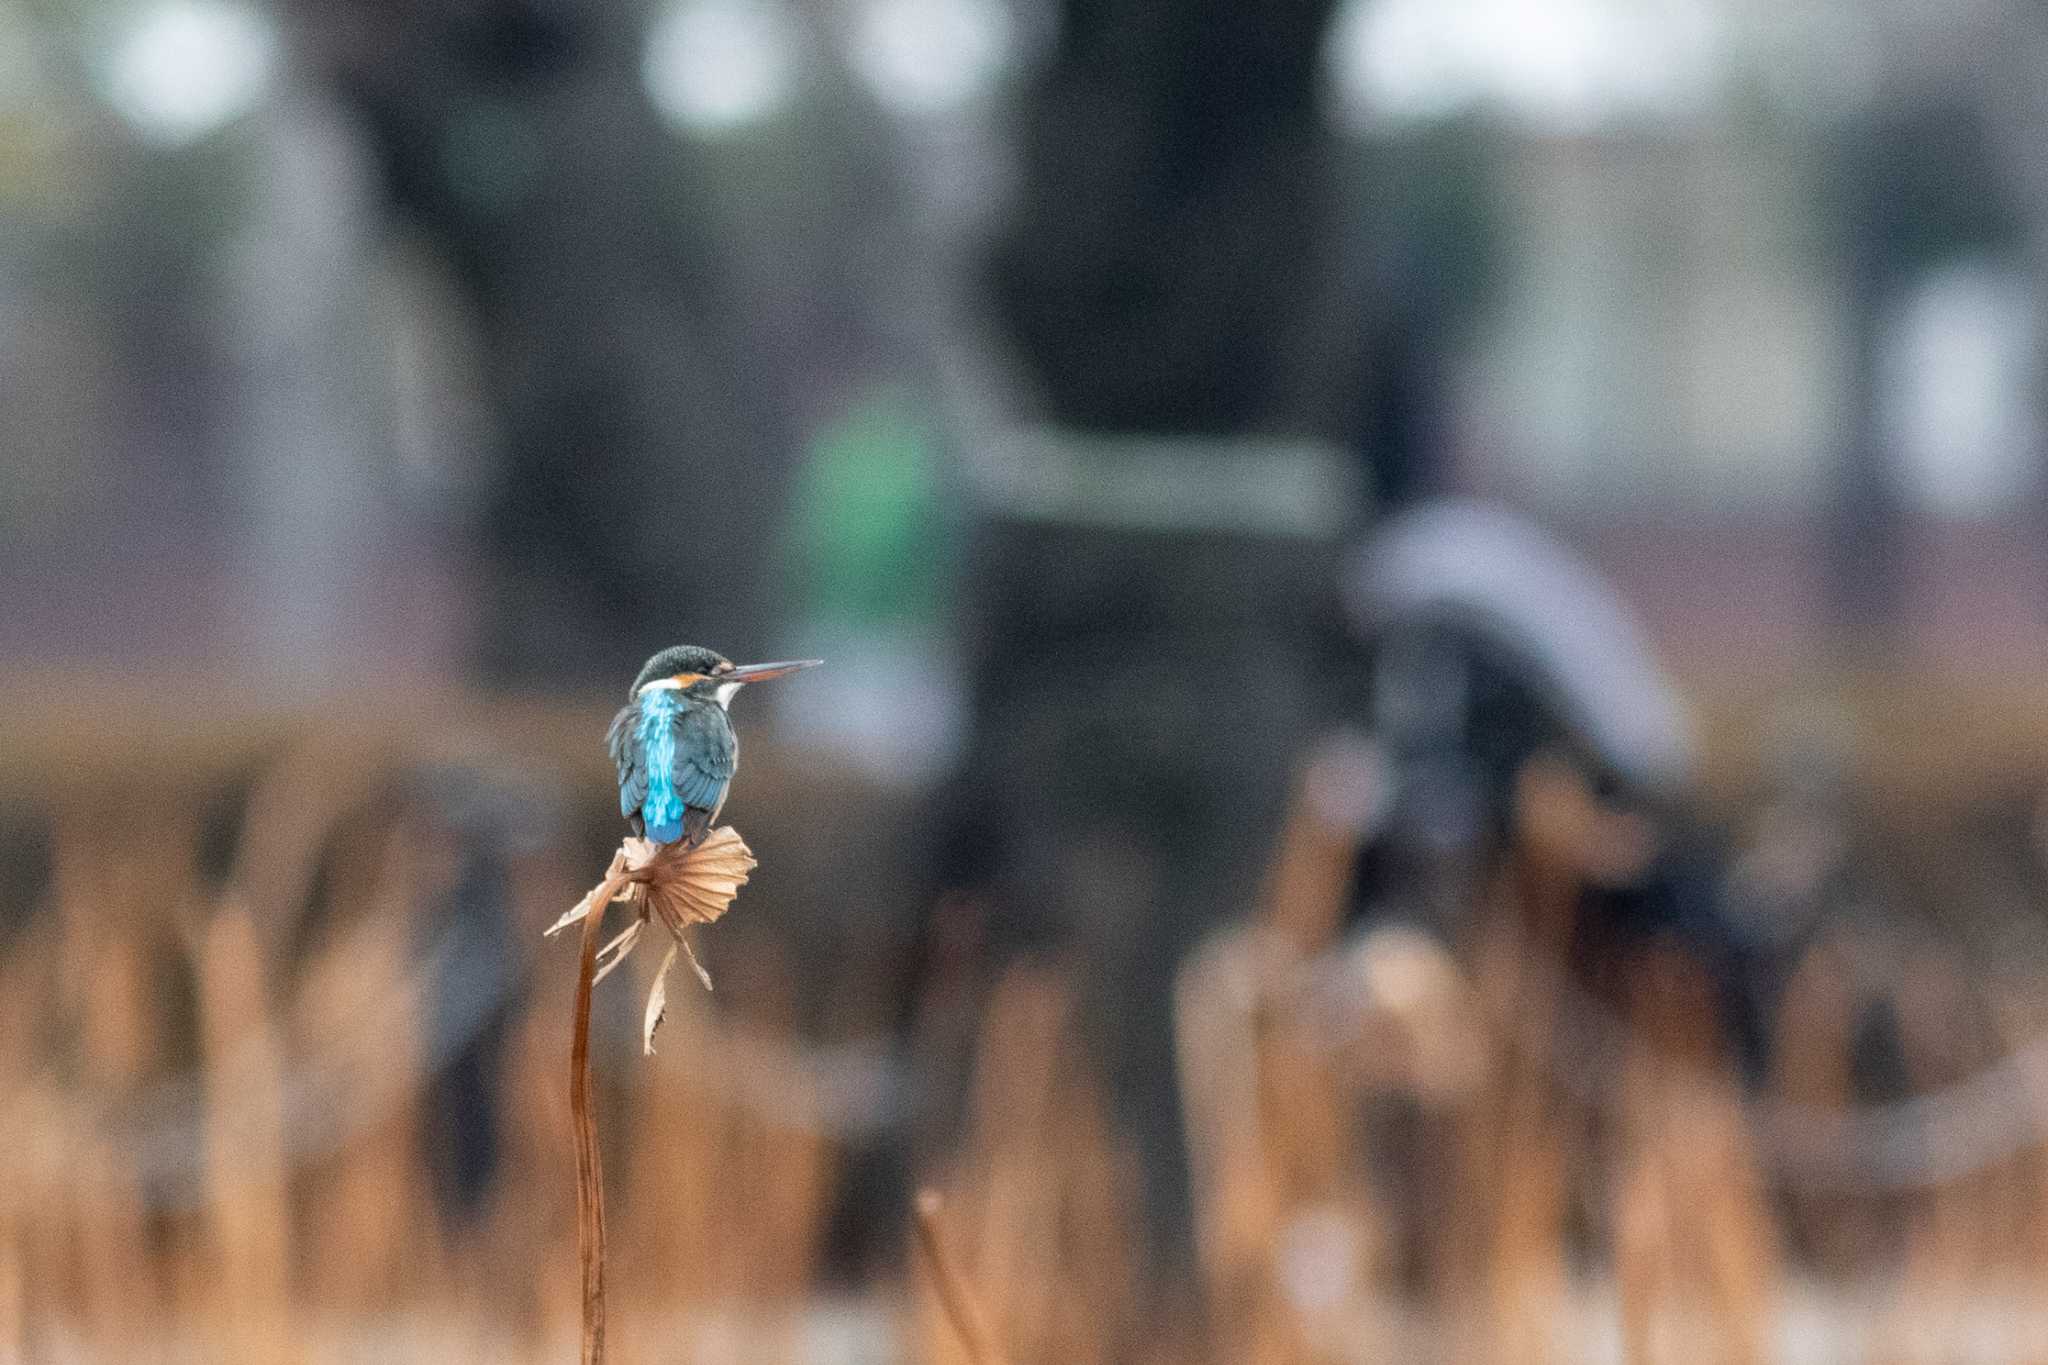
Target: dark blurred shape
pixel 1527 722
pixel 482 818
pixel 1142 687
pixel 1421 257
pixel 1161 262
pixel 25 863
pixel 1513 684
pixel 1496 579
pixel 1915 184
pixel 642 453
pixel 1495 647
pixel 1147 640
pixel 466 1117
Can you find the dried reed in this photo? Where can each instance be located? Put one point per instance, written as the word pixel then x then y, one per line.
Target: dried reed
pixel 959 1304
pixel 677 885
pixel 172 1195
pixel 589 1164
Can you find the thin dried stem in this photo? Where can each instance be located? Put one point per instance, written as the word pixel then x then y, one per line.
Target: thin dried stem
pixel 953 1295
pixel 582 1116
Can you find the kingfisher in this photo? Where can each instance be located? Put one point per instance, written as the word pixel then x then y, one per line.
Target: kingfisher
pixel 673 743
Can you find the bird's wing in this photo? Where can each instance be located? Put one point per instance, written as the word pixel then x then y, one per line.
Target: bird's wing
pixel 705 756
pixel 626 757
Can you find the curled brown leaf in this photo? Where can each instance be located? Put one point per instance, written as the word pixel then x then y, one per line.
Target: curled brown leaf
pixel 672 883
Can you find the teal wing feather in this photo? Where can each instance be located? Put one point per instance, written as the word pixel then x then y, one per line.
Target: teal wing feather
pixel 627 758
pixel 706 754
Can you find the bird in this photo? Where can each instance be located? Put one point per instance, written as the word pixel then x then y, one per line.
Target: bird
pixel 673 743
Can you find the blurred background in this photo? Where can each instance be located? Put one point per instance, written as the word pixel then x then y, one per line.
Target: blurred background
pixel 1435 744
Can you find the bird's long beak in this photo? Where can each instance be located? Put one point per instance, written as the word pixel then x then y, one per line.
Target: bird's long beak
pixel 753 673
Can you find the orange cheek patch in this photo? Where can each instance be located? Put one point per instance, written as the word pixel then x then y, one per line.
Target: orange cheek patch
pixel 686 681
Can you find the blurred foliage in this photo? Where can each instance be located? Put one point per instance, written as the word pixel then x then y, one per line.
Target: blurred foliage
pixel 867 521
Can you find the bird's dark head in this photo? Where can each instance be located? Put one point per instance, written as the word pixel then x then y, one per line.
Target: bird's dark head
pixel 685 664
pixel 700 672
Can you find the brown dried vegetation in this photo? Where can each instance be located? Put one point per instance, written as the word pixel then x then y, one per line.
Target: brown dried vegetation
pixel 1419 1177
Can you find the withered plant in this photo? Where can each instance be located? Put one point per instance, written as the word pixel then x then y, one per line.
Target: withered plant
pixel 677 885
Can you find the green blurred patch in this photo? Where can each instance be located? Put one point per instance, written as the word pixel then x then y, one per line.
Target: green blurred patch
pixel 871 544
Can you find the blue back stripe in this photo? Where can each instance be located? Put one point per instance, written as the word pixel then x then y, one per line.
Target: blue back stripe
pixel 662 811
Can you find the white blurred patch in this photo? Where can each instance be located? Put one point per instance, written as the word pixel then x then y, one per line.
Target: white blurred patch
pixel 889 702
pixel 1491 570
pixel 1350 783
pixel 718 66
pixel 1566 65
pixel 923 57
pixel 184 68
pixel 1959 366
pixel 1319 1259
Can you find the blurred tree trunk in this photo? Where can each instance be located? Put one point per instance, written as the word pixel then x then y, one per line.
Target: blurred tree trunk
pixel 1920 184
pixel 1168 238
pixel 641 466
pixel 1163 274
pixel 2013 101
pixel 1866 548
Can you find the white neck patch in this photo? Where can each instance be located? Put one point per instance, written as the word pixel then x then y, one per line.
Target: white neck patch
pixel 724 693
